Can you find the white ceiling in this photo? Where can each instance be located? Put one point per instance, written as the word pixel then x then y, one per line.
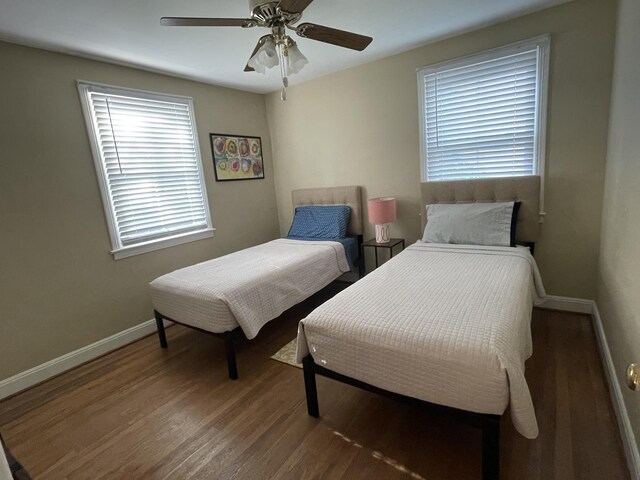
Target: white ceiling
pixel 129 32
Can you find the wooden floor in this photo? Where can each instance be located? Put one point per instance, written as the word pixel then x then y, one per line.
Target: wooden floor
pixel 142 412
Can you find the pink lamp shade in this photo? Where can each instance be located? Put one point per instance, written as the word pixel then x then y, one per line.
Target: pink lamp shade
pixel 382 210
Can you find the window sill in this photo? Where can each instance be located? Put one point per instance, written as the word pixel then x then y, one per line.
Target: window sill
pixel 160 244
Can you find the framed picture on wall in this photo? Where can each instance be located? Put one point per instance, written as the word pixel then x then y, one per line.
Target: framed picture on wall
pixel 236 157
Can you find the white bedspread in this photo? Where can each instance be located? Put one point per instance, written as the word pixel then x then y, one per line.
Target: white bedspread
pixel 250 287
pixel 448 324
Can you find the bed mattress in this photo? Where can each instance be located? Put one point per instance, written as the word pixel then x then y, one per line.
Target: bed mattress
pixel 250 287
pixel 448 324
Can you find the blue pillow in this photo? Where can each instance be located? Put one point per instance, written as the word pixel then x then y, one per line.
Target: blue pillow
pixel 320 221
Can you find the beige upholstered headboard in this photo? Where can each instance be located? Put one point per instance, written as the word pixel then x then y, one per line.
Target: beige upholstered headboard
pixel 509 189
pixel 350 196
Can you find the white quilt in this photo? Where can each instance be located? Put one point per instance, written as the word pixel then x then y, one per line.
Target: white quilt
pixel 448 324
pixel 250 287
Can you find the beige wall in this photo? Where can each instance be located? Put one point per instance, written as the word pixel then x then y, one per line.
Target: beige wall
pixel 360 126
pixel 60 288
pixel 619 277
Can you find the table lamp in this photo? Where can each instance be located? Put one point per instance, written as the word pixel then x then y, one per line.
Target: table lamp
pixel 382 212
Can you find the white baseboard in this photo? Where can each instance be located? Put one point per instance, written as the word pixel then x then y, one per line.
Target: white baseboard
pixel 54 367
pixel 624 423
pixel 568 304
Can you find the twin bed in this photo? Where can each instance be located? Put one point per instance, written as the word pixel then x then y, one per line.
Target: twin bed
pixel 239 293
pixel 445 326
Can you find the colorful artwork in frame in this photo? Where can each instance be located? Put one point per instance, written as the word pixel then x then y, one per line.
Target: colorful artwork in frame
pixel 237 157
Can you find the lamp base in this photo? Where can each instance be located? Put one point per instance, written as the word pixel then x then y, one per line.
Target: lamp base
pixel 382 233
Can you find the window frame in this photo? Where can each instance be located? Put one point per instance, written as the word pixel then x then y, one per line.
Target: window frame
pixel 118 250
pixel 543 44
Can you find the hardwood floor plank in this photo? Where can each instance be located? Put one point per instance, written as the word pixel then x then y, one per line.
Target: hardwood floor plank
pixel 146 413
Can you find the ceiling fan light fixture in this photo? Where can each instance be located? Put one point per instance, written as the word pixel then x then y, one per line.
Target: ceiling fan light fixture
pixel 265 57
pixel 295 59
pixel 257 67
pixel 276 47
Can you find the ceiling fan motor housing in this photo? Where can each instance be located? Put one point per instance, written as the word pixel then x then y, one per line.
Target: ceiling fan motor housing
pixel 264 9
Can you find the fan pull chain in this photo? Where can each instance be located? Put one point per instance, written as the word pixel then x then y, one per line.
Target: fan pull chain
pixel 282 53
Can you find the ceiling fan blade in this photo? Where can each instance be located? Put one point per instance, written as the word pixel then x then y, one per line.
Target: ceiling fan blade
pixel 333 36
pixel 294 6
pixel 207 22
pixel 261 41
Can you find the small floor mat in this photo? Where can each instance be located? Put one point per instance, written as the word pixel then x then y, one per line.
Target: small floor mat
pixel 287 354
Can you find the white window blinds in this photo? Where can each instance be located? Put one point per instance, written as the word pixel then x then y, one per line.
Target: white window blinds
pixel 482 115
pixel 149 163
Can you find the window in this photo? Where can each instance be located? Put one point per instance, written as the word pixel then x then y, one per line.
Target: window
pixel 484 116
pixel 147 159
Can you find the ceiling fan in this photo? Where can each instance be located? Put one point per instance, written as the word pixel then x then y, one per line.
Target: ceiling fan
pixel 277 48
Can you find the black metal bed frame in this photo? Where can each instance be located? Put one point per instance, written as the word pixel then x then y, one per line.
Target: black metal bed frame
pixel 489 424
pixel 229 336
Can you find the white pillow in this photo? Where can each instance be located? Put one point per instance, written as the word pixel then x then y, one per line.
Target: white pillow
pixel 471 224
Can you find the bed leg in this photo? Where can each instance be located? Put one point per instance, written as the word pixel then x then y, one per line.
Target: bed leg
pixel 160 326
pixel 310 386
pixel 491 449
pixel 230 350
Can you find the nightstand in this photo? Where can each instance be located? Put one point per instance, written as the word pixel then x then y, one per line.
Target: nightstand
pixel 390 245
